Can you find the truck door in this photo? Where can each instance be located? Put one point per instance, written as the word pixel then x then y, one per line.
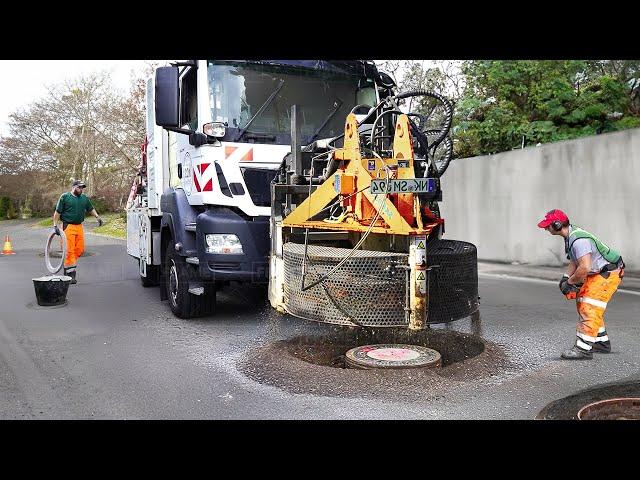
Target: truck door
pixel 188 155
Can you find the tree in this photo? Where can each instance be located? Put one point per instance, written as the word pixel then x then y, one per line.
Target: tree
pixel 508 104
pixel 83 128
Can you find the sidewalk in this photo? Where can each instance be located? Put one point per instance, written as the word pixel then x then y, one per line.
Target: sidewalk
pixel 631 280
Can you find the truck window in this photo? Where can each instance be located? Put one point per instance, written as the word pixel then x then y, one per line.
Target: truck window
pixel 237 90
pixel 366 96
pixel 189 100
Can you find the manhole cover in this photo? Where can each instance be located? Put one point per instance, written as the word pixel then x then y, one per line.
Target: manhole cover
pixel 391 355
pixel 612 409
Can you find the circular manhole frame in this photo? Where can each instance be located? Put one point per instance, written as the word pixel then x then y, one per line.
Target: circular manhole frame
pixel 611 409
pixel 328 350
pixel 392 356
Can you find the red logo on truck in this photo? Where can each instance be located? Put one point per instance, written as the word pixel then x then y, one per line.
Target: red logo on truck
pixel 199 175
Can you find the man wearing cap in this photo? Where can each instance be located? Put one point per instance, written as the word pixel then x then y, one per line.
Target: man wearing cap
pixel 71 208
pixel 592 277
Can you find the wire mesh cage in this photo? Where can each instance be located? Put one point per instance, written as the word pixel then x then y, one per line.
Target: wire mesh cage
pixel 370 288
pixel 453 284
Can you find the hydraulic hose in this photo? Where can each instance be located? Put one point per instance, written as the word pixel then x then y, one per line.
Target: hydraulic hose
pixel 47 255
pixel 375 124
pixel 448 109
pixel 441 164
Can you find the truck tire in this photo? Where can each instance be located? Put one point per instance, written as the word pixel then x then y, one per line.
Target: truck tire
pixel 153 276
pixel 178 274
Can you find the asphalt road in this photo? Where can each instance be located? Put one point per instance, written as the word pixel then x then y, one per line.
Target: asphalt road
pixel 116 352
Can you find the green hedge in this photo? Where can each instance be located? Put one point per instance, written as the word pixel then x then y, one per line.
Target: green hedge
pixel 7 209
pixel 4 206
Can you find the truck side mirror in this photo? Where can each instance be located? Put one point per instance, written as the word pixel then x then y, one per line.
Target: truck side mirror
pixel 167 97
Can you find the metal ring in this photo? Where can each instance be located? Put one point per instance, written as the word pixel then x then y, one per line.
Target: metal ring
pixel 47 258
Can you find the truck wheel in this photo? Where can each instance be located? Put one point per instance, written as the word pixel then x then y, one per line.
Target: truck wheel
pixel 153 276
pixel 183 304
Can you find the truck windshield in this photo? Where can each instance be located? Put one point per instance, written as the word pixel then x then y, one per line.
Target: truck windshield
pixel 237 90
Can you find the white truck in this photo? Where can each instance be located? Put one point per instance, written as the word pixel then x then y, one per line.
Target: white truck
pixel 217 133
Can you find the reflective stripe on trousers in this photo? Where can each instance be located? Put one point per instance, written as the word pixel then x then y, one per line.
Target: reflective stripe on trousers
pixel 591 302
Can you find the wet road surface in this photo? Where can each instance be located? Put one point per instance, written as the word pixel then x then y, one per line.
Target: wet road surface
pixel 116 352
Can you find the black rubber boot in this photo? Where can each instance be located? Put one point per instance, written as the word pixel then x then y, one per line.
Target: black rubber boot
pixel 602 347
pixel 575 353
pixel 73 277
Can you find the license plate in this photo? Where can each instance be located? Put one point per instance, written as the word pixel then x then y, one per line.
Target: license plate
pixel 406 185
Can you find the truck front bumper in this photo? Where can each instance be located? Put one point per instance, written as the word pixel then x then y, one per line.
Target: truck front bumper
pixel 253 232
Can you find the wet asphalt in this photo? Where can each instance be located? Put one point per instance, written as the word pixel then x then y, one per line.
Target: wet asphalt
pixel 116 352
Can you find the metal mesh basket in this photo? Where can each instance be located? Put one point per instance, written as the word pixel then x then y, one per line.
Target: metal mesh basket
pixel 453 286
pixel 370 290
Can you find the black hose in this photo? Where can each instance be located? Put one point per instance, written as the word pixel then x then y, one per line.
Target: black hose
pixel 448 108
pixel 443 163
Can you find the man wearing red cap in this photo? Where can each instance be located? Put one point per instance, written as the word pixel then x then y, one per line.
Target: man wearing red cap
pixel 593 275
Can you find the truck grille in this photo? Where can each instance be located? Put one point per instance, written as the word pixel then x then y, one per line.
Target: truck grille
pixel 258 181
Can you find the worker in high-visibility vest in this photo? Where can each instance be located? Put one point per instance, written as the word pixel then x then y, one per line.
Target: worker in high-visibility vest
pixel 71 208
pixel 592 277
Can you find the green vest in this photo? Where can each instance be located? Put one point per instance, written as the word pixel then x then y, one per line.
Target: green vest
pixel 608 253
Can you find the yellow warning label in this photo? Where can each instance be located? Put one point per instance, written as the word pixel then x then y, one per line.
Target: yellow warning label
pixel 421 276
pixel 421 244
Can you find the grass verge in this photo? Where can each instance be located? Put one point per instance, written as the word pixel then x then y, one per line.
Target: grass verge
pixel 114 225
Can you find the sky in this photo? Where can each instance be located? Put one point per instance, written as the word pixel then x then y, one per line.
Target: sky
pixel 24 81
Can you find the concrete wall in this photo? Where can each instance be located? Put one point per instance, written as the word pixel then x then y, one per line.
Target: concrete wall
pixel 496 201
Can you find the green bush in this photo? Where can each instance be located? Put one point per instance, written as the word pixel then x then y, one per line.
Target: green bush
pixel 4 206
pixel 11 211
pixel 100 204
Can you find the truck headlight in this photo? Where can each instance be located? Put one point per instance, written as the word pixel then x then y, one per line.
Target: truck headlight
pixel 214 129
pixel 223 243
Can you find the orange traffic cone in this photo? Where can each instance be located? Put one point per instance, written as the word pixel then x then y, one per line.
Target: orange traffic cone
pixel 7 250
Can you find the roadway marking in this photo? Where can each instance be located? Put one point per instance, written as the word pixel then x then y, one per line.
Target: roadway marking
pixel 540 280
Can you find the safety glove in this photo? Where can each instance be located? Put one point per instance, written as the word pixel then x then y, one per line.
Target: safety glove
pixel 569 291
pixel 56 230
pixel 100 222
pixel 566 288
pixel 563 280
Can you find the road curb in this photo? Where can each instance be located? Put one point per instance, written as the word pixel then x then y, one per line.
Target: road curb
pixel 630 283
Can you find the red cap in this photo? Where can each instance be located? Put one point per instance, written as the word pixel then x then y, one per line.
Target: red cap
pixel 553 216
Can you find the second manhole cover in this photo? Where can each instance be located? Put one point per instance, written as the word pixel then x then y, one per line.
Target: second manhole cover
pixel 391 355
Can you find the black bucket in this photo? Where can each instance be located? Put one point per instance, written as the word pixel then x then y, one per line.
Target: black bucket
pixel 52 289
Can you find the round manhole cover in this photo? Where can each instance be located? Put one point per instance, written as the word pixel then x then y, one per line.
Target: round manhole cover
pixel 612 409
pixel 390 355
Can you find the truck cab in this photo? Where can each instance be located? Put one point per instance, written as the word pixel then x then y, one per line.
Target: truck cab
pixel 217 133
